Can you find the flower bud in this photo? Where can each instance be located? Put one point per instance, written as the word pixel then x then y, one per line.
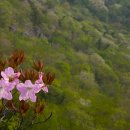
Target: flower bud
pixel 16 58
pixel 48 78
pixel 39 107
pixel 29 75
pixel 38 66
pixel 23 107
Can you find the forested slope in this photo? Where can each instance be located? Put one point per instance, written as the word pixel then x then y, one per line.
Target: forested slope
pixel 86 44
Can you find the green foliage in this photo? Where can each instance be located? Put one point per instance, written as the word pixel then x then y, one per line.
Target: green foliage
pixel 86 44
pixel 5 13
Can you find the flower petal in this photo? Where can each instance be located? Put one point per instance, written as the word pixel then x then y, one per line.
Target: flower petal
pixel 15 81
pixel 17 75
pixel 23 96
pixel 10 86
pixel 45 89
pixel 32 96
pixel 36 88
pixel 7 95
pixel 9 71
pixel 4 76
pixel 28 83
pixel 21 88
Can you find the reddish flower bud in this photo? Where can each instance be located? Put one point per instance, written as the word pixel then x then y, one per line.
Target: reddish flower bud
pixel 2 64
pixel 9 104
pixel 29 75
pixel 39 107
pixel 38 66
pixel 16 58
pixel 23 107
pixel 48 78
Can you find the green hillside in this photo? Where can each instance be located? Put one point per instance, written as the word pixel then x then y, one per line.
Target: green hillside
pixel 86 43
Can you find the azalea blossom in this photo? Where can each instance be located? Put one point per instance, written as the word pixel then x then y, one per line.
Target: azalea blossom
pixel 41 83
pixel 28 90
pixel 9 75
pixel 5 88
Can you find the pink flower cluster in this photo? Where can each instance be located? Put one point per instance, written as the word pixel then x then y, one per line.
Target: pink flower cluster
pixel 28 90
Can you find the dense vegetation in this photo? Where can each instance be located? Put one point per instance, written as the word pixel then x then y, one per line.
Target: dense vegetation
pixel 86 44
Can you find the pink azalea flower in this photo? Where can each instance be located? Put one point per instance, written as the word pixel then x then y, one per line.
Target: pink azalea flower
pixel 9 75
pixel 41 83
pixel 45 89
pixel 28 90
pixel 5 88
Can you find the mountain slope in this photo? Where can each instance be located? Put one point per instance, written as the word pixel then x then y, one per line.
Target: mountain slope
pixel 88 52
